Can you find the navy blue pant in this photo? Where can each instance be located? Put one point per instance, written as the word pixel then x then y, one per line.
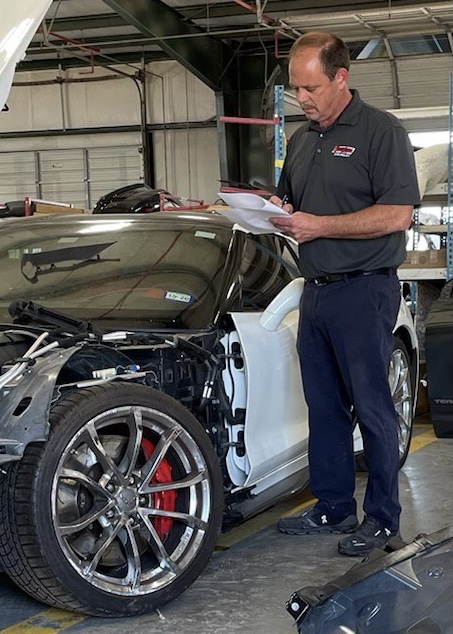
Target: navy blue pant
pixel 345 342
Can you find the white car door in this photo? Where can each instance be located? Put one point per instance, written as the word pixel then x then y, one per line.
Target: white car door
pixel 276 421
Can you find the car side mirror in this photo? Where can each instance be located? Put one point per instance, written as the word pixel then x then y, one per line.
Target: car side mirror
pixel 286 301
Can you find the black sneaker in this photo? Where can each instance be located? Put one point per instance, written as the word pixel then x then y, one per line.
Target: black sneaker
pixel 370 534
pixel 315 521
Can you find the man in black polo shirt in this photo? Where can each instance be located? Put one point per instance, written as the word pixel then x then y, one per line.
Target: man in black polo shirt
pixel 350 184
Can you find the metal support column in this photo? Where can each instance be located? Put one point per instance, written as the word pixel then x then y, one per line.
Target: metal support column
pixel 450 189
pixel 279 133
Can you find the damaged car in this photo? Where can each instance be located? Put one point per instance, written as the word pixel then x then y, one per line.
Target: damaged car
pixel 151 395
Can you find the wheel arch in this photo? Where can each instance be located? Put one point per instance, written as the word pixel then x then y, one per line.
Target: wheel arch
pixel 24 416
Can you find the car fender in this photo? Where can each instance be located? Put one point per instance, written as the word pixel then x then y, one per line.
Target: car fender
pixel 24 416
pixel 26 402
pixel 406 321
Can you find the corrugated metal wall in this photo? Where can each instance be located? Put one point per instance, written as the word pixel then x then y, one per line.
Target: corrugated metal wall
pixel 79 168
pixel 422 81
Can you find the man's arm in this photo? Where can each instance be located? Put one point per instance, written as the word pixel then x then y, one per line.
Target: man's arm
pixel 372 222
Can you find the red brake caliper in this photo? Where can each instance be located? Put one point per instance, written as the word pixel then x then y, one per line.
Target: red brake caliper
pixel 165 500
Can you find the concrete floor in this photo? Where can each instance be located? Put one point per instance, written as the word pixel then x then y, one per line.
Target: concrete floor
pixel 256 569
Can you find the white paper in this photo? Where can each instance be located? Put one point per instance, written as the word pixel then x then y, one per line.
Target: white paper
pixel 251 212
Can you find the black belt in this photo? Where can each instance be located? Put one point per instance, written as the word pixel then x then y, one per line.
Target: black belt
pixel 339 277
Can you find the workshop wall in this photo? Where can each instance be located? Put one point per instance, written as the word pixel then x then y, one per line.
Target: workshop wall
pixel 76 134
pixel 100 110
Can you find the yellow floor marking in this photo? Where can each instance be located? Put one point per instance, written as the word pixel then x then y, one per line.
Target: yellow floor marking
pixel 420 441
pixel 47 622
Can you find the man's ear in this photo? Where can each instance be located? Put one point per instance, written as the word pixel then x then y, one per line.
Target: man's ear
pixel 342 76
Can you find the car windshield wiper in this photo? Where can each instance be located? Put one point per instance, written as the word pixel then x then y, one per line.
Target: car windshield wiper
pixel 26 312
pixel 34 264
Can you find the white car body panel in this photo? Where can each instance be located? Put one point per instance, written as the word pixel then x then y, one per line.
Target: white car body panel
pixel 276 423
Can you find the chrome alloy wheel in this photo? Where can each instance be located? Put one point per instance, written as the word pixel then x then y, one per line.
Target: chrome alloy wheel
pixel 131 500
pixel 400 382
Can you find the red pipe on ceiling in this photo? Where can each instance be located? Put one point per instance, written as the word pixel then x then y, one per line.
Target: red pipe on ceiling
pixel 253 9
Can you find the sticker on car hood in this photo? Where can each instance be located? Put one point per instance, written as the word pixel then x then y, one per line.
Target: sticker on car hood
pixel 178 297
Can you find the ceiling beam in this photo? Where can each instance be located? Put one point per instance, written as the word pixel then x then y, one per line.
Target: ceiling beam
pixel 202 55
pixel 82 22
pixel 50 59
pixel 293 7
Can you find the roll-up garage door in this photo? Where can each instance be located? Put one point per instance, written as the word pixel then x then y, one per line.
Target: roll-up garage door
pixel 62 176
pixel 76 176
pixel 113 167
pixel 18 177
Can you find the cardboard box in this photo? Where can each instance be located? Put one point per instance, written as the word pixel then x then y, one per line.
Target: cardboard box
pixel 432 258
pixel 48 208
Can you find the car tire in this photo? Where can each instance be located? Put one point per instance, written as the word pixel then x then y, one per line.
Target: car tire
pixel 119 511
pixel 12 346
pixel 401 380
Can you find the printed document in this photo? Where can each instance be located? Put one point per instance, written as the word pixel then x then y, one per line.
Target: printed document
pixel 251 212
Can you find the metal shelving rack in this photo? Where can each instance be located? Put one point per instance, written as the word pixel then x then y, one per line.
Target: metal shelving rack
pixel 450 190
pixel 439 267
pixel 279 132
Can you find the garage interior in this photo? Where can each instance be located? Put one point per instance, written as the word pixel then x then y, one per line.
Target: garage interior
pixel 193 98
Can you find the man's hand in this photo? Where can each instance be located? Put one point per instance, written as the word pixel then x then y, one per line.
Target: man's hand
pixel 279 202
pixel 299 225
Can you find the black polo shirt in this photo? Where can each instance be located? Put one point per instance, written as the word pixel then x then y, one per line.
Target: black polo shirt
pixel 364 158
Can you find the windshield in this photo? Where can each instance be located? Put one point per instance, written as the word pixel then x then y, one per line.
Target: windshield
pixel 121 275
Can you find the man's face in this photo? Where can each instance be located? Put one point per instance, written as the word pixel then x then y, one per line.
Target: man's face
pixel 321 98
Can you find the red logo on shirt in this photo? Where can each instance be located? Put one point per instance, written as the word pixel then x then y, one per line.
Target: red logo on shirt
pixel 343 150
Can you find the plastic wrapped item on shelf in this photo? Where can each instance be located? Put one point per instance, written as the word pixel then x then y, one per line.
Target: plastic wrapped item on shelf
pixel 432 166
